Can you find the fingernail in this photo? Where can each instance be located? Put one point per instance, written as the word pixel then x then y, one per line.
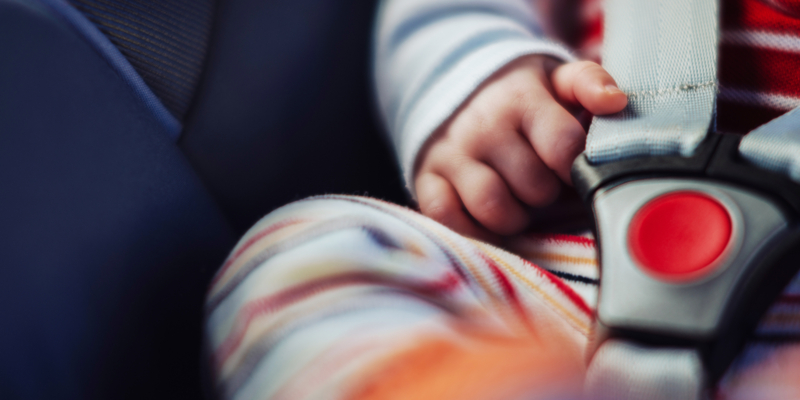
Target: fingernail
pixel 613 89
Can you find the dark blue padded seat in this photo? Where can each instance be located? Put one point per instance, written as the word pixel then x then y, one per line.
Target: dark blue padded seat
pixel 165 41
pixel 110 229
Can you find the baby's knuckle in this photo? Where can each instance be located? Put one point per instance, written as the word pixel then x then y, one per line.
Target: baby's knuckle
pixel 489 208
pixel 592 71
pixel 440 211
pixel 521 95
pixel 537 111
pixel 475 142
pixel 585 66
pixel 458 160
pixel 525 164
pixel 488 122
pixel 470 125
pixel 571 144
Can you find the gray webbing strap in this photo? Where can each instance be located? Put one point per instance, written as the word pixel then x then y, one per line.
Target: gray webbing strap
pixel 776 145
pixel 625 371
pixel 663 54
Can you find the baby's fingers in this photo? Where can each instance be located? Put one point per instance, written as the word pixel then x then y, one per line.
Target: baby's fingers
pixel 528 178
pixel 487 197
pixel 588 84
pixel 439 200
pixel 556 136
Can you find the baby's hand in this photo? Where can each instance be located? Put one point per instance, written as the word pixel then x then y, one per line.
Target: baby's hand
pixel 510 143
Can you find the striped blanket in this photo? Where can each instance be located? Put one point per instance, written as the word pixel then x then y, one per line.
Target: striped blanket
pixel 340 297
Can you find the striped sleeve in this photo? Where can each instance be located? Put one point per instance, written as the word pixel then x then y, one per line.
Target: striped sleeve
pixel 429 55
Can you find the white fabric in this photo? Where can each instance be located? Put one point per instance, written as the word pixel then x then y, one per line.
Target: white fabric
pixel 430 55
pixel 663 55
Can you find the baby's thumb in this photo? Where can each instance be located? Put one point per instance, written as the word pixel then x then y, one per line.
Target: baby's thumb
pixel 588 84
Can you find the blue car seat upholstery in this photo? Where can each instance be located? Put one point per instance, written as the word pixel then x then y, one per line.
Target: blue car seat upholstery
pixel 284 109
pixel 115 209
pixel 166 42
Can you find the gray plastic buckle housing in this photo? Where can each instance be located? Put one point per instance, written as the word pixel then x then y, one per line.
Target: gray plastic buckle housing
pixel 715 313
pixel 631 298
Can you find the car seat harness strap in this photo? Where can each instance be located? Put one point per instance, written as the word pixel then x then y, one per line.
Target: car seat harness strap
pixel 697 232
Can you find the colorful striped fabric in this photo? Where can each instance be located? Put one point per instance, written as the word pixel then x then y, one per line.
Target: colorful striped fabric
pixel 340 297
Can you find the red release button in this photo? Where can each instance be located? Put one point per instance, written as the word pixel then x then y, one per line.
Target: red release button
pixel 678 236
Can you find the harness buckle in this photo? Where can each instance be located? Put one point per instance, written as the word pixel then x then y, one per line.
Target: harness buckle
pixel 693 250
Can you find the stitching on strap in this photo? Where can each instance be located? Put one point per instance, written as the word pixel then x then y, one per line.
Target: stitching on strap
pixel 675 89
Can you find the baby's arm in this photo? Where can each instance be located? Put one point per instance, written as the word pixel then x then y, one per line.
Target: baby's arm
pixel 510 143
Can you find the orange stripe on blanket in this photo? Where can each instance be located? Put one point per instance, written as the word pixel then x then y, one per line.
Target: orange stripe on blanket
pixel 561 238
pixel 508 288
pixel 559 258
pixel 486 368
